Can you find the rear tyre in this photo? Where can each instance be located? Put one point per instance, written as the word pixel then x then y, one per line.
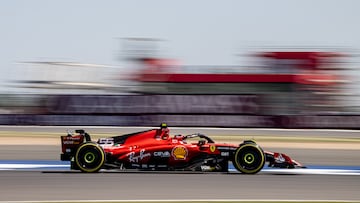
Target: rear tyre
pixel 249 158
pixel 89 157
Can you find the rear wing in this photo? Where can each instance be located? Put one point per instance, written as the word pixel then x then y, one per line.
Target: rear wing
pixel 70 143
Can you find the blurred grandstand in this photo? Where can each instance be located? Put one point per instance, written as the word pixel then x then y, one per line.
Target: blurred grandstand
pixel 281 83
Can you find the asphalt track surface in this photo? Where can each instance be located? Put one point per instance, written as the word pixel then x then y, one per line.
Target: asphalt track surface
pixel 24 186
pixel 307 156
pixel 64 185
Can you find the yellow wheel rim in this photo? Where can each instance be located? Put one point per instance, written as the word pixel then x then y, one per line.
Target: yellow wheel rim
pixel 90 158
pixel 249 158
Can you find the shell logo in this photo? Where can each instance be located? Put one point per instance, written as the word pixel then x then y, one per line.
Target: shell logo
pixel 179 152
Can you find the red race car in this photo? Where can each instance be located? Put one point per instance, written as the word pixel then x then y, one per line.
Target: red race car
pixel 155 149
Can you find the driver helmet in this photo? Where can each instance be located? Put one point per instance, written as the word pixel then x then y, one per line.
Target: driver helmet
pixel 164 130
pixel 163 125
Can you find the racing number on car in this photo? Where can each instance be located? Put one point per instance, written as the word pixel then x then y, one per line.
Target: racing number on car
pixel 106 141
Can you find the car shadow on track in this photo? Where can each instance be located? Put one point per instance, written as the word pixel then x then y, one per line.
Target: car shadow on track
pixel 168 172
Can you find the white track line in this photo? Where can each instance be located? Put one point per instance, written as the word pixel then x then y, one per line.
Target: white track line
pixel 4 167
pixel 29 166
pixel 314 171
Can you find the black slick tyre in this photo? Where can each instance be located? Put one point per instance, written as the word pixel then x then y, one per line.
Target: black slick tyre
pixel 89 157
pixel 249 158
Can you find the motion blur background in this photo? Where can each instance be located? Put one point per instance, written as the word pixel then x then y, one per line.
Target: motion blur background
pixel 283 64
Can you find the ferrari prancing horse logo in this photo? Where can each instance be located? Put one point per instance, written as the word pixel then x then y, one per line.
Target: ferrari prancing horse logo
pixel 212 148
pixel 179 152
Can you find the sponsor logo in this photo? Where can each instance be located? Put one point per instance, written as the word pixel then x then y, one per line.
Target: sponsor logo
pixel 135 159
pixel 71 142
pixel 226 148
pixel 68 140
pixel 212 148
pixel 206 168
pixel 162 154
pixel 224 153
pixel 279 158
pixel 132 148
pixel 179 152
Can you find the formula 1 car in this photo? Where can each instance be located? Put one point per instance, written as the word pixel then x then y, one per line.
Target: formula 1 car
pixel 155 149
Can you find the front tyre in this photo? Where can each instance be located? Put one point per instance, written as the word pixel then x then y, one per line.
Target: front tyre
pixel 89 157
pixel 249 158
